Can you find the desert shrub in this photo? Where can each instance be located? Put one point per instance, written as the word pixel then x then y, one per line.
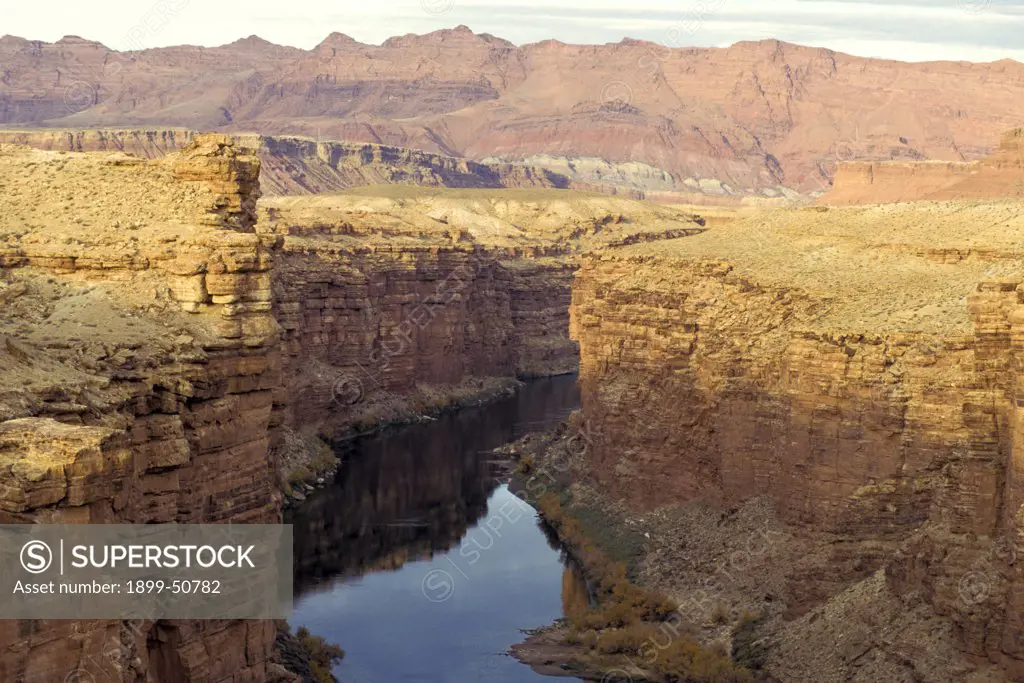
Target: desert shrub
pixel 575 593
pixel 299 476
pixel 720 614
pixel 322 654
pixel 589 639
pixel 747 648
pixel 687 661
pixel 625 621
pixel 322 456
pixel 626 641
pixel 607 532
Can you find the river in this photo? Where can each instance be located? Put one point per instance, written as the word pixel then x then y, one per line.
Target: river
pixel 418 562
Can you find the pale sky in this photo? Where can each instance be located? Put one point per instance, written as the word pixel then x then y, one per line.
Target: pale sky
pixel 913 30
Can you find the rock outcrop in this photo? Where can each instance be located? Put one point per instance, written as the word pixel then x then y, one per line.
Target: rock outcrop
pixel 139 359
pixel 998 175
pixel 857 367
pixel 759 115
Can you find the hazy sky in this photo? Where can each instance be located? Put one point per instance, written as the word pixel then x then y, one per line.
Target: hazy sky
pixel 977 30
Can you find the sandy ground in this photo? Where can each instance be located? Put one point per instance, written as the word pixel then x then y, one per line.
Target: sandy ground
pixel 883 268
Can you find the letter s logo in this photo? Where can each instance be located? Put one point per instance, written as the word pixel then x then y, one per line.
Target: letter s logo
pixel 36 557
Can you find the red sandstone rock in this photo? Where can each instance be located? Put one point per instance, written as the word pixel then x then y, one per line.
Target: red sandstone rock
pixel 858 367
pixel 132 420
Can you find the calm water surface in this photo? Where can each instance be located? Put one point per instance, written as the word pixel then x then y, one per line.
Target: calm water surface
pixel 418 563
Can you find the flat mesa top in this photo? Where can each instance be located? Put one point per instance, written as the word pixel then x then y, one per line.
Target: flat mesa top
pixel 881 268
pixel 51 193
pixel 57 200
pixel 490 218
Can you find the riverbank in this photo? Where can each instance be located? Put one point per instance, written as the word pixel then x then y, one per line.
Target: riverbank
pixel 783 602
pixel 628 627
pixel 306 456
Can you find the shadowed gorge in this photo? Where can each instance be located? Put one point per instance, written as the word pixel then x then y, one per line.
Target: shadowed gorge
pixel 228 335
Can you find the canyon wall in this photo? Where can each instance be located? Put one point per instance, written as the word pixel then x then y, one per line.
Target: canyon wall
pixel 540 291
pixel 296 165
pixel 1001 174
pixel 857 367
pixel 864 182
pixel 390 293
pixel 379 323
pixel 139 359
pixel 374 322
pixel 162 340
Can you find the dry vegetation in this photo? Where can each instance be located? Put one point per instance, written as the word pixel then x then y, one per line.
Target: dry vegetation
pixel 322 655
pixel 630 627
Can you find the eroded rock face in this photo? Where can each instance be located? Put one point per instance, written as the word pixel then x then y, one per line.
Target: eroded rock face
pixel 858 367
pixel 295 165
pixel 1001 174
pixel 381 321
pixel 139 362
pixel 159 335
pixel 380 291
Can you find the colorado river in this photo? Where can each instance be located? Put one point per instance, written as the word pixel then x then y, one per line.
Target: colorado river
pixel 418 563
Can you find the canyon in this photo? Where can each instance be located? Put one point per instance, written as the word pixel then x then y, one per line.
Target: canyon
pixel 390 296
pixel 162 359
pixel 841 380
pixel 766 118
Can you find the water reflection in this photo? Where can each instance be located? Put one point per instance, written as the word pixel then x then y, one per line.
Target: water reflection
pixel 471 567
pixel 405 494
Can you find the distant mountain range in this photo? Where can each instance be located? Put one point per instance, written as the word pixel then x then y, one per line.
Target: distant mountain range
pixel 758 117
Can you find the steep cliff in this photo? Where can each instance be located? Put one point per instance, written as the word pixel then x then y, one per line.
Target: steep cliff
pixel 138 360
pixel 859 369
pixel 162 340
pixel 385 292
pixel 999 175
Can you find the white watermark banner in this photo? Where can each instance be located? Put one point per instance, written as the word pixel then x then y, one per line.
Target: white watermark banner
pixel 145 571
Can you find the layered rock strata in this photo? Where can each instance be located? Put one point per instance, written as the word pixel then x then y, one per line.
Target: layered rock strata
pixel 365 326
pixel 1000 174
pixel 139 359
pixel 759 116
pixel 159 336
pixel 384 291
pixel 293 165
pixel 858 367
